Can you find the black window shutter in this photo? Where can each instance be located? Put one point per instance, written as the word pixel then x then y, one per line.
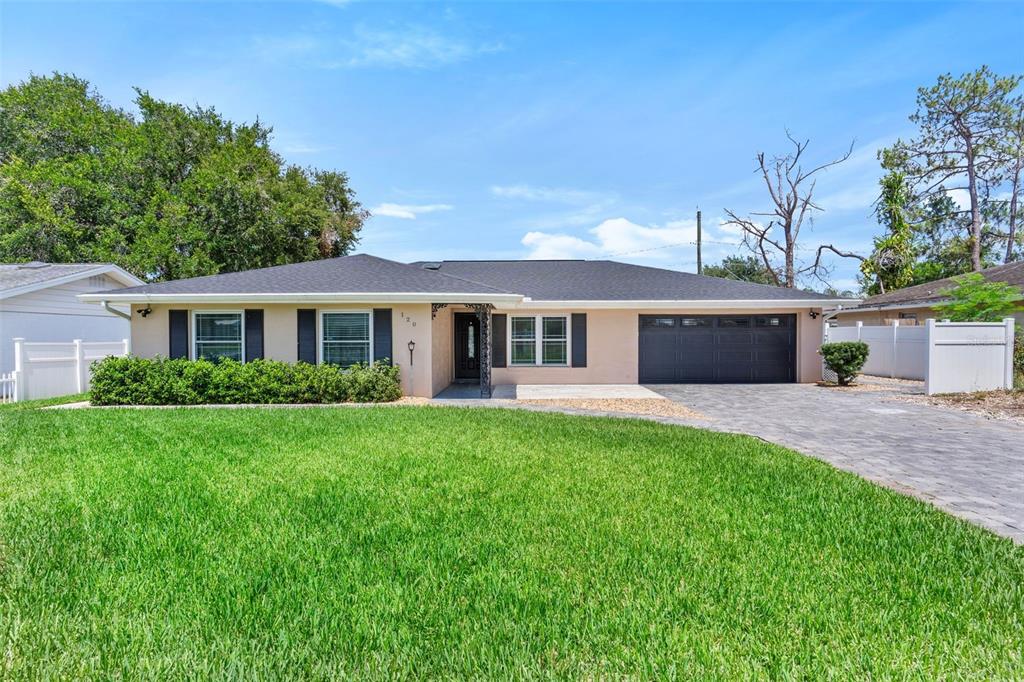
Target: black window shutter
pixel 307 335
pixel 253 335
pixel 178 335
pixel 382 334
pixel 498 331
pixel 579 339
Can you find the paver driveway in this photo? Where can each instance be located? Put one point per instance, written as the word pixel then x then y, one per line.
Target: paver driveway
pixel 968 465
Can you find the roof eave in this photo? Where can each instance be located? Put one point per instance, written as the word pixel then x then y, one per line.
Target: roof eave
pixel 759 304
pixel 329 297
pixel 118 273
pixel 867 307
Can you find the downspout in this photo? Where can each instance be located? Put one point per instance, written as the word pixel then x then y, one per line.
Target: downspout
pixel 115 311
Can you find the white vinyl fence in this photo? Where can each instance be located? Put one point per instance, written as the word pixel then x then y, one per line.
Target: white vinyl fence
pixel 47 370
pixel 950 357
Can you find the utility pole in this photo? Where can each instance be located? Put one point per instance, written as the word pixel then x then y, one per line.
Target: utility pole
pixel 700 266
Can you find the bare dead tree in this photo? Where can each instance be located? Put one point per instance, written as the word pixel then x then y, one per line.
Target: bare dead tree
pixel 791 189
pixel 820 270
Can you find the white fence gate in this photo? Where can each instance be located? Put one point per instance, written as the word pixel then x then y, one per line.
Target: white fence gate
pixel 47 370
pixel 950 357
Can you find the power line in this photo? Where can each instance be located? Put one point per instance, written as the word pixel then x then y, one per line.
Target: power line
pixel 671 246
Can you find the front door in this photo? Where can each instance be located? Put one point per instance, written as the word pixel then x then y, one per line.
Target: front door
pixel 467 347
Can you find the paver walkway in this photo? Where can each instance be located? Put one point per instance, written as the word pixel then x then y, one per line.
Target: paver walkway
pixel 970 466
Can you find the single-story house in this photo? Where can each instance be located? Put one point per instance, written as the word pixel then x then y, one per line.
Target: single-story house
pixel 488 322
pixel 38 302
pixel 913 305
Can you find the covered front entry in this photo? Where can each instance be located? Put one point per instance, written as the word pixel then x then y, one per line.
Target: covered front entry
pixel 717 348
pixel 467 348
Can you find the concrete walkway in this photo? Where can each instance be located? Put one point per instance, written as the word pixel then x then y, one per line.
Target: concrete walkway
pixel 970 466
pixel 550 392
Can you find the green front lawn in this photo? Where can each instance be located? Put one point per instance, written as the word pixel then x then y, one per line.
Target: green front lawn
pixel 324 542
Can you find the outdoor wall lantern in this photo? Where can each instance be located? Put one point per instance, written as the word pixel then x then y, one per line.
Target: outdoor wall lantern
pixel 412 346
pixel 814 315
pixel 144 311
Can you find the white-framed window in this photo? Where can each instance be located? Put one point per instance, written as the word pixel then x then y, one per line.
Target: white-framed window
pixel 346 337
pixel 218 334
pixel 524 340
pixel 554 341
pixel 538 340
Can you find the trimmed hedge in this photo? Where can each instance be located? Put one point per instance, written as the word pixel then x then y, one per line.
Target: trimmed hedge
pixel 159 381
pixel 845 358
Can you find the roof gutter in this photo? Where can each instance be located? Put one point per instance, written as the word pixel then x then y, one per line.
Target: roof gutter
pixel 928 303
pixel 510 301
pixel 114 311
pixel 758 304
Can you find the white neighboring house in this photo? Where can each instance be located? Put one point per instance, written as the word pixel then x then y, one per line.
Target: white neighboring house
pixel 37 303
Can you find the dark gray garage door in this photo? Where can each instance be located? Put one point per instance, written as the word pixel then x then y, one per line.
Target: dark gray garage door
pixel 717 348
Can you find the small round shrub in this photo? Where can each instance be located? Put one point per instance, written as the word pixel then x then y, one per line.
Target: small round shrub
pixel 845 358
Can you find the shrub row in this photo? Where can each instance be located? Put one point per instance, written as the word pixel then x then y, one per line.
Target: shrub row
pixel 159 381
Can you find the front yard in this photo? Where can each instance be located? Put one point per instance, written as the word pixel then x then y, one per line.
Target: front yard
pixel 421 541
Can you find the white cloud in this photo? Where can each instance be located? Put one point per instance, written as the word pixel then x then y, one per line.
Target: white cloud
pixel 302 149
pixel 409 47
pixel 857 197
pixel 551 194
pixel 960 197
pixel 621 238
pixel 546 246
pixel 408 211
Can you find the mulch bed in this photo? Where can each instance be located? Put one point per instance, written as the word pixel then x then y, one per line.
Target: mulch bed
pixel 991 404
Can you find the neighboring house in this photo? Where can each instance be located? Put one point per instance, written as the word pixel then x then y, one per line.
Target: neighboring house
pixel 488 322
pixel 38 303
pixel 913 305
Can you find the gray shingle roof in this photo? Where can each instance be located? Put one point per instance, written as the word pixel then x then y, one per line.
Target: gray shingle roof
pixel 931 292
pixel 347 274
pixel 15 275
pixel 602 280
pixel 562 280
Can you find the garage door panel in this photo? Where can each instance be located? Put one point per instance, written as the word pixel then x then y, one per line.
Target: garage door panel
pixel 717 349
pixel 779 336
pixel 771 372
pixel 777 356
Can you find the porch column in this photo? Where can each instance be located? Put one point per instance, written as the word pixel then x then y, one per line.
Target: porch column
pixel 483 313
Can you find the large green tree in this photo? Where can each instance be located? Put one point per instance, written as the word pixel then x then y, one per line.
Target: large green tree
pixel 1013 153
pixel 975 300
pixel 963 125
pixel 743 268
pixel 891 263
pixel 171 192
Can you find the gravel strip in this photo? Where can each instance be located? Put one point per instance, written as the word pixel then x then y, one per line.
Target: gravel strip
pixel 658 407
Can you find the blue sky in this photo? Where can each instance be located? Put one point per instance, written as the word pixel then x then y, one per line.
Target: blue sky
pixel 507 130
